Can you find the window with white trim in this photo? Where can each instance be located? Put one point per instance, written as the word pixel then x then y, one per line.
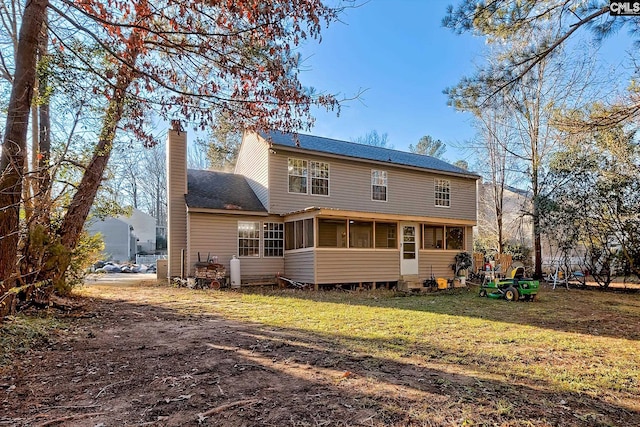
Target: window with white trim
pixel 319 178
pixel 379 185
pixel 297 171
pixel 443 192
pixel 248 239
pixel 273 239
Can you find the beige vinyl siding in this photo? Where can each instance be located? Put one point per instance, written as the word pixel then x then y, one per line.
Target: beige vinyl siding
pixel 253 163
pixel 218 235
pixel 300 265
pixel 357 265
pixel 468 235
pixel 439 259
pixel 176 206
pixel 409 192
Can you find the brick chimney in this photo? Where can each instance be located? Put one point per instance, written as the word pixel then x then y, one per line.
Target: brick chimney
pixel 176 205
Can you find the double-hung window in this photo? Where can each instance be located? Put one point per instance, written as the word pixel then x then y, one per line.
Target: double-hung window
pixel 379 185
pixel 443 192
pixel 319 178
pixel 298 173
pixel 273 239
pixel 308 177
pixel 248 239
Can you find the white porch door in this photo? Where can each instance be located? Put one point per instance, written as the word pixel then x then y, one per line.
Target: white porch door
pixel 409 249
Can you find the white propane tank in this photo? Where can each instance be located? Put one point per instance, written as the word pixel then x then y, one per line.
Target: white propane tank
pixel 235 272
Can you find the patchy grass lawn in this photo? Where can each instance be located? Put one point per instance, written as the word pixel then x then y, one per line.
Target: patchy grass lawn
pixel 19 333
pixel 181 357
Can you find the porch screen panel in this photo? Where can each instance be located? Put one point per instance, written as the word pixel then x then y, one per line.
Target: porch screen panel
pixel 455 238
pixel 298 234
pixel 289 236
pixel 332 233
pixel 360 234
pixel 308 233
pixel 386 235
pixel 299 229
pixel 433 237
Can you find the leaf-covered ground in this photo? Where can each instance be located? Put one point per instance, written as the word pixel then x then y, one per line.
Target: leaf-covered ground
pixel 139 353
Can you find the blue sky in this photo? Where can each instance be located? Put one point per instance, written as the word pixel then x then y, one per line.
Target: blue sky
pixel 401 55
pixel 398 51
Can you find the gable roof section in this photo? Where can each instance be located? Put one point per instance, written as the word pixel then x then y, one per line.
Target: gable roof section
pixel 220 190
pixel 362 151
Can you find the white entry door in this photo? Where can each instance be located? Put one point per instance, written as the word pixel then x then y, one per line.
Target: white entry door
pixel 408 249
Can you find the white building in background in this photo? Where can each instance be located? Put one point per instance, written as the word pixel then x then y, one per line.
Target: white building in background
pixel 144 229
pixel 125 236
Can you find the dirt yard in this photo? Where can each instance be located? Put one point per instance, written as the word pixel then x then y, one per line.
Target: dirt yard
pixel 138 354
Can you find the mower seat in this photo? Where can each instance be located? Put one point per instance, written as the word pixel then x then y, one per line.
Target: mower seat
pixel 518 273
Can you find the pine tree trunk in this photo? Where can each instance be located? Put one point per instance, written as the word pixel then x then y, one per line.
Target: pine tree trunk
pixel 537 241
pixel 15 143
pixel 43 174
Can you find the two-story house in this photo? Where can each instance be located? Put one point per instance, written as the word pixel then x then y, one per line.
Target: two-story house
pixel 320 211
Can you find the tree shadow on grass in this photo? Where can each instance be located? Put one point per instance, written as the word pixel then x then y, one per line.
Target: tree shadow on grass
pixel 149 364
pixel 614 315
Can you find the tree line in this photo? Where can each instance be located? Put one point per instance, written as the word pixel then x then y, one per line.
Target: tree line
pixel 549 122
pixel 87 77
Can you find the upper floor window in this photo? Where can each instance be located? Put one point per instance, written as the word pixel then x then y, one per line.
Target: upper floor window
pixel 273 239
pixel 319 178
pixel 298 176
pixel 379 185
pixel 443 192
pixel 248 239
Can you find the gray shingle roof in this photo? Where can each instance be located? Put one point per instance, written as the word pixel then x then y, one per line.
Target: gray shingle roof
pixel 220 190
pixel 361 151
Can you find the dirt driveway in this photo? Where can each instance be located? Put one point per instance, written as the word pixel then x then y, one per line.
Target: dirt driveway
pixel 127 360
pixel 123 363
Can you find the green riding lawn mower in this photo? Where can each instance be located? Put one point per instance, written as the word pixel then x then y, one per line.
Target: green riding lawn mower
pixel 516 288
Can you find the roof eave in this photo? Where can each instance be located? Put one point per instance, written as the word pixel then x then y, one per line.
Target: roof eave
pixel 191 209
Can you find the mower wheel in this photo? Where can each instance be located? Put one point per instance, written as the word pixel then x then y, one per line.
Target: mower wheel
pixel 483 293
pixel 511 294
